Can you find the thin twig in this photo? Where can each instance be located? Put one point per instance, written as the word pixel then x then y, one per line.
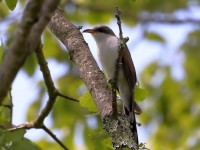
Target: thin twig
pixel 27 125
pixel 52 92
pixel 114 81
pixel 67 97
pixel 54 137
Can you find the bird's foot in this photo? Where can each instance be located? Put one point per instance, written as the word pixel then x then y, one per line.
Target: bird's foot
pixel 112 81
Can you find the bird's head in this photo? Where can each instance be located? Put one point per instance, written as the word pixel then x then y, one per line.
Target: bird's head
pixel 100 32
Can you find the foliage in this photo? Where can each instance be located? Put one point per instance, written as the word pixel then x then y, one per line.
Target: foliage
pixel 14 140
pixel 1 53
pixel 86 101
pixel 140 94
pixel 11 4
pixel 170 113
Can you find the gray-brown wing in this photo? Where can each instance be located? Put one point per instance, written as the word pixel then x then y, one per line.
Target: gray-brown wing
pixel 129 68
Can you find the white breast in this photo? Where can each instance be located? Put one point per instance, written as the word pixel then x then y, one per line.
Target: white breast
pixel 107 52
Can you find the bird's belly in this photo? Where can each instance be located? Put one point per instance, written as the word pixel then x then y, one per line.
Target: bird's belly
pixel 108 61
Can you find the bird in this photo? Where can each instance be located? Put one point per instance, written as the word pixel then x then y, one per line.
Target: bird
pixel 107 53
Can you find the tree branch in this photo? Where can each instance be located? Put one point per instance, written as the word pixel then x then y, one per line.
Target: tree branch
pixel 79 52
pixel 54 137
pixel 67 97
pixel 52 92
pixel 35 17
pixel 30 125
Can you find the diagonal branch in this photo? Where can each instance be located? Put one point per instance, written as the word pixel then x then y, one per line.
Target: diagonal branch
pixel 30 125
pixel 35 17
pixel 79 52
pixel 67 97
pixel 52 92
pixel 54 137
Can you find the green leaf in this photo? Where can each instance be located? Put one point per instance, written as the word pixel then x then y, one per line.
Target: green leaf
pixel 101 139
pixel 30 65
pixel 87 102
pixel 14 140
pixel 6 111
pixel 155 37
pixel 140 94
pixel 24 144
pixel 11 4
pixel 1 52
pixel 8 138
pixel 5 116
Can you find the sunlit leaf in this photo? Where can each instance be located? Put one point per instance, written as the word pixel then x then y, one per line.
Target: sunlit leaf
pixel 11 4
pixel 5 116
pixel 155 37
pixel 14 140
pixel 1 52
pixel 101 139
pixel 140 94
pixel 24 144
pixel 87 102
pixel 30 64
pixel 11 137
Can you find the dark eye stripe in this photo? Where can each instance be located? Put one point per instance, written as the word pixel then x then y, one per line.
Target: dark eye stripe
pixel 104 29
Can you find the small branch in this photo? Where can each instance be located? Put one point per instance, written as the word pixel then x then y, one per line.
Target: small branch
pixel 27 125
pixel 114 81
pixel 54 137
pixel 121 45
pixel 16 54
pixel 52 92
pixel 67 97
pixel 30 125
pixel 35 18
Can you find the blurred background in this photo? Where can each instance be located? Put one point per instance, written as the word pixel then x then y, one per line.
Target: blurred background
pixel 164 40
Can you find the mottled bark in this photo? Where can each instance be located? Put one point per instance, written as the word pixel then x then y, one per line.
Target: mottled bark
pixel 79 52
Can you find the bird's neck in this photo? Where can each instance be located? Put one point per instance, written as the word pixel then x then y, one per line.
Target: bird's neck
pixel 106 42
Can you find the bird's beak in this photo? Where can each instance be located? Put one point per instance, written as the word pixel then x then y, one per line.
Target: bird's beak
pixel 89 31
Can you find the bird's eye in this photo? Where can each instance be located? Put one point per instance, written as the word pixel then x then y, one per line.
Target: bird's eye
pixel 100 30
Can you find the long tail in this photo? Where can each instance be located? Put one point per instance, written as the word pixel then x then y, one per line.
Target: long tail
pixel 132 120
pixel 134 130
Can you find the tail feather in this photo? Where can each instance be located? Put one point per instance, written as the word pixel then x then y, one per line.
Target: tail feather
pixel 132 120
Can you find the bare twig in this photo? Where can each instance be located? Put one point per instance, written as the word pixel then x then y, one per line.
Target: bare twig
pixel 54 137
pixel 114 81
pixel 27 125
pixel 67 97
pixel 52 92
pixel 121 45
pixel 30 125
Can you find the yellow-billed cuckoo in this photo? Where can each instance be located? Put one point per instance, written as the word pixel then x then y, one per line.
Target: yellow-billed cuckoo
pixel 107 44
